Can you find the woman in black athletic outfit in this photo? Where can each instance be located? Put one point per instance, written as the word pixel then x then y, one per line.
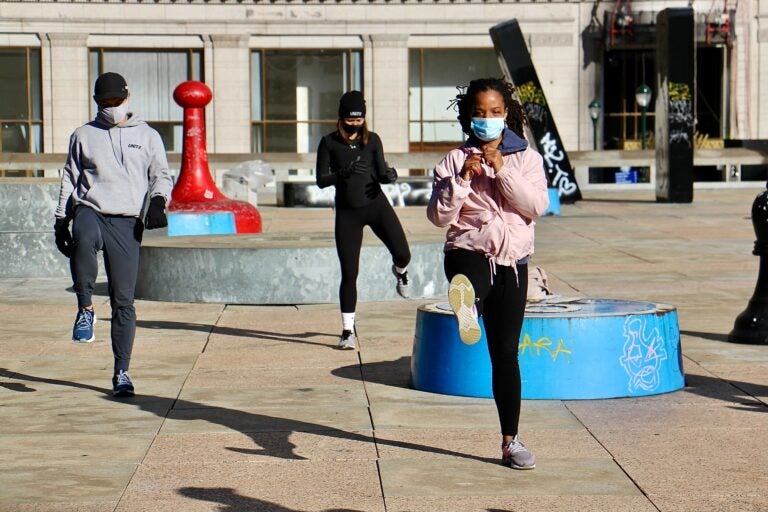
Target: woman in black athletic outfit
pixel 352 159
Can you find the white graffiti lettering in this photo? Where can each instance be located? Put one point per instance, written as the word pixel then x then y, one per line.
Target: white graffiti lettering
pixel 398 194
pixel 642 356
pixel 680 112
pixel 563 181
pixel 679 136
pixel 319 196
pixel 553 155
pixel 536 112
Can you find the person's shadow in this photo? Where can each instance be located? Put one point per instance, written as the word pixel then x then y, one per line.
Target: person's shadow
pixel 302 337
pixel 252 424
pixel 395 373
pixel 732 391
pixel 234 502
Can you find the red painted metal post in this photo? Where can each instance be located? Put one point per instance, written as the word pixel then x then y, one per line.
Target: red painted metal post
pixel 195 191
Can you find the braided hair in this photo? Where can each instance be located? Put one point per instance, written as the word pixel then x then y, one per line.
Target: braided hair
pixel 465 103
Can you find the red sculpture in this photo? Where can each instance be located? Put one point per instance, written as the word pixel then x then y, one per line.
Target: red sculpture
pixel 195 190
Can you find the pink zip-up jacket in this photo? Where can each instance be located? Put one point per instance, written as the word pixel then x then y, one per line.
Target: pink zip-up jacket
pixel 493 213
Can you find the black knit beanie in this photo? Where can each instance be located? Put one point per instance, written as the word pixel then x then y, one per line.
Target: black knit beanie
pixel 352 104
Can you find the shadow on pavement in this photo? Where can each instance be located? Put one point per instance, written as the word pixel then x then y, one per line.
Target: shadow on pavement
pixel 231 331
pixel 714 336
pixel 395 373
pixel 249 423
pixel 100 289
pixel 231 501
pixel 732 391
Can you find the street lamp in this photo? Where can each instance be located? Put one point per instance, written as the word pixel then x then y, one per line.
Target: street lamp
pixel 643 97
pixel 594 113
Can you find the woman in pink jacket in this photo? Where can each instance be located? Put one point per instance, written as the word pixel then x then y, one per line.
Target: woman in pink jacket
pixel 488 193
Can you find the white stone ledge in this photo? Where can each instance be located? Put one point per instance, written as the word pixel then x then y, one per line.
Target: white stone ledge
pixel 144 41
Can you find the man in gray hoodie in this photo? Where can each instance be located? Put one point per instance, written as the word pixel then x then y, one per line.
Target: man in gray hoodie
pixel 114 163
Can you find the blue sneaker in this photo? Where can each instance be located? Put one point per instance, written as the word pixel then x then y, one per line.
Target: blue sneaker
pixel 82 332
pixel 122 385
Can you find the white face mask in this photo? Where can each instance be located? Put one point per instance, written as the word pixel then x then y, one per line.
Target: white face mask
pixel 116 114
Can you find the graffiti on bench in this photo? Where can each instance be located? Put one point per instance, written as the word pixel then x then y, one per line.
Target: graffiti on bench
pixel 402 193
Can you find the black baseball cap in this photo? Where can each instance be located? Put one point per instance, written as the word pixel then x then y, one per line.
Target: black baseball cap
pixel 110 85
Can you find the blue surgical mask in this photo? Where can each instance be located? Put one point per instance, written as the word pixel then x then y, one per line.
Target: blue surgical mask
pixel 488 128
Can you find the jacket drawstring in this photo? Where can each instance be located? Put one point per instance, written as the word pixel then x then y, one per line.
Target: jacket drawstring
pixel 492 265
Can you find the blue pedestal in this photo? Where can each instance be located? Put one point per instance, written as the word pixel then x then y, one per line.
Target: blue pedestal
pixel 590 348
pixel 183 224
pixel 554 202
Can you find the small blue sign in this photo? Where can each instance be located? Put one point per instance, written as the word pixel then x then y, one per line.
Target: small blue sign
pixel 185 224
pixel 554 202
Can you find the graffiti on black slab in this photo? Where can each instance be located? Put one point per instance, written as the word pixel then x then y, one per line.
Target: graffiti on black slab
pixel 534 102
pixel 680 114
pixel 515 60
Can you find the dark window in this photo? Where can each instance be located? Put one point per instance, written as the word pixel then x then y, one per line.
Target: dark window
pixel 433 77
pixel 295 96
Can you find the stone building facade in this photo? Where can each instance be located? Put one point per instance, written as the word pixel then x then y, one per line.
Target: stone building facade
pixel 277 67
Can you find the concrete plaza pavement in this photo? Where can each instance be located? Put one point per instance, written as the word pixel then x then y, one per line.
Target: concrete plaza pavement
pixel 251 408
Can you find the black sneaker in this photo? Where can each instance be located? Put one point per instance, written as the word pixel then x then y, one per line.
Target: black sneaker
pixel 122 385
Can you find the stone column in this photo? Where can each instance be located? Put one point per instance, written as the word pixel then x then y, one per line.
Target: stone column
pixel 761 52
pixel 210 127
pixel 231 83
pixel 66 88
pixel 387 98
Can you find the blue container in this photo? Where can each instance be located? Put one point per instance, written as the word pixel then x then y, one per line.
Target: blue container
pixel 554 202
pixel 184 224
pixel 589 348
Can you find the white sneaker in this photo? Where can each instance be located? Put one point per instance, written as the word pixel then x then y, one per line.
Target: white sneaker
pixel 403 289
pixel 461 297
pixel 348 340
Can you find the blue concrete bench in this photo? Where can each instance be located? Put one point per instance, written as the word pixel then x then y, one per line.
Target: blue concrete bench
pixel 589 348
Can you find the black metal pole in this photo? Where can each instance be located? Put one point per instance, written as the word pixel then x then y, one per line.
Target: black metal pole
pixel 594 134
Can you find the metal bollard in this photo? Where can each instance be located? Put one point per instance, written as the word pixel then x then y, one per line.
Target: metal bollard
pixel 751 326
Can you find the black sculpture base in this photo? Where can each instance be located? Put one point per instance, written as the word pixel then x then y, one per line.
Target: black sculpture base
pixel 751 326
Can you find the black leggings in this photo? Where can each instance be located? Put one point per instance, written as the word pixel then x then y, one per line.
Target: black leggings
pixel 502 306
pixel 381 217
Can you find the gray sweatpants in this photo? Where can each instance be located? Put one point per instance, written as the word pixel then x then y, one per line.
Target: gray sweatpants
pixel 119 238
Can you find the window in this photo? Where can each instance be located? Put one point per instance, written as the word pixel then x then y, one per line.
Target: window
pixel 152 76
pixel 625 71
pixel 433 78
pixel 295 96
pixel 21 108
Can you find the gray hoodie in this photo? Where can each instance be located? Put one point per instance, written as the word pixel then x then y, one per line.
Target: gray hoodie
pixel 111 168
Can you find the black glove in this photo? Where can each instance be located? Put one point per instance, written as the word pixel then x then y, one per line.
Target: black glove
pixel 156 217
pixel 356 166
pixel 64 240
pixel 390 175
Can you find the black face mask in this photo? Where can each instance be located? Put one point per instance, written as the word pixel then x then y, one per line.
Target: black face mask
pixel 352 128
